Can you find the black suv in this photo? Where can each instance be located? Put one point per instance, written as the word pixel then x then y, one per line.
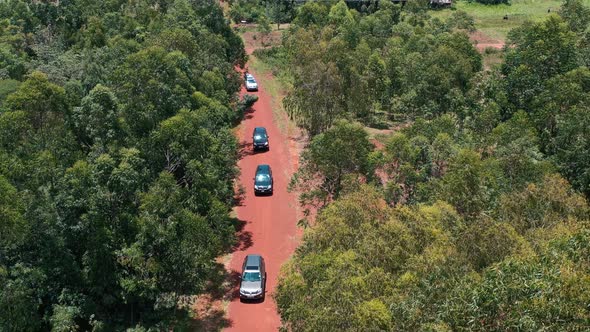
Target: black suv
pixel 263 180
pixel 260 139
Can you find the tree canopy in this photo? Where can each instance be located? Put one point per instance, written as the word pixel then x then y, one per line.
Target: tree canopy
pixel 117 160
pixel 471 212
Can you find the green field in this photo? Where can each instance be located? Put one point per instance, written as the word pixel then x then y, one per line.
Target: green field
pixel 489 18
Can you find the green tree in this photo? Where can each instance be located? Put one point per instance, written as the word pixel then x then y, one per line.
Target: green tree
pixel 97 119
pixel 311 13
pixel 277 11
pixel 19 301
pixel 407 163
pixel 317 102
pixel 43 101
pixel 572 146
pixel 575 14
pixel 87 242
pixel 152 85
pixel 486 241
pixel 542 50
pixel 527 293
pixel 470 183
pixel 263 28
pixel 12 222
pixel 198 153
pixel 516 147
pixel 543 205
pixel 341 151
pixel 173 250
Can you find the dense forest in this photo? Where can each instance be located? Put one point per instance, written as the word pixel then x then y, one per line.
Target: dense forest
pixel 117 164
pixel 117 160
pixel 472 213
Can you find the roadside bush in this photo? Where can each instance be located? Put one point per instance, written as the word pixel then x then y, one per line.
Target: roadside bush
pixel 246 102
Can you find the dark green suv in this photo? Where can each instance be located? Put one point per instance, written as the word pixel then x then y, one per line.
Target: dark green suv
pixel 260 139
pixel 263 180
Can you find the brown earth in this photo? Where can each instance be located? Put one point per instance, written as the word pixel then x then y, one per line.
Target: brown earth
pixel 483 41
pixel 254 40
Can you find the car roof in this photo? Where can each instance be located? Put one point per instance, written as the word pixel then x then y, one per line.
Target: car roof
pixel 263 168
pixel 253 262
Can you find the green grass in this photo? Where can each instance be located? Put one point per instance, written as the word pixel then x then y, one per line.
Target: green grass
pixel 489 18
pixel 492 58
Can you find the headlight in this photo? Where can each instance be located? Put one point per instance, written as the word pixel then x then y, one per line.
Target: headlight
pixel 258 291
pixel 256 187
pixel 265 143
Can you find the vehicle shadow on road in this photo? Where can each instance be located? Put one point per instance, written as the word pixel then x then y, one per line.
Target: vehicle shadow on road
pixel 243 237
pixel 255 301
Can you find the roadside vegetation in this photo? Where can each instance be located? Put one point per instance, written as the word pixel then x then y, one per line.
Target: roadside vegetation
pixel 471 212
pixel 262 12
pixel 117 160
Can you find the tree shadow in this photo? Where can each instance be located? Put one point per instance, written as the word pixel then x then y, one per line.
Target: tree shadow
pixel 223 283
pixel 214 320
pixel 243 237
pixel 208 310
pixel 249 111
pixel 234 293
pixel 239 195
pixel 223 286
pixel 245 149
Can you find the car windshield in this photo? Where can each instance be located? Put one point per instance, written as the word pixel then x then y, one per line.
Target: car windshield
pixel 259 137
pixel 251 276
pixel 263 179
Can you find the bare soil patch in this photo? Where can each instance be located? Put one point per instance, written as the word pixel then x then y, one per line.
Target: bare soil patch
pixel 483 41
pixel 254 39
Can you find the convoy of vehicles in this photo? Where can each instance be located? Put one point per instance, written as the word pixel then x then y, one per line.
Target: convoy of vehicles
pixel 253 276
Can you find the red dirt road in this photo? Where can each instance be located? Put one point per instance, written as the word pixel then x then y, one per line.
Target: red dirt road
pixel 269 221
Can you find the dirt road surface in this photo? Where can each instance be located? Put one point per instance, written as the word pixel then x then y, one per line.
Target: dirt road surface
pixel 269 222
